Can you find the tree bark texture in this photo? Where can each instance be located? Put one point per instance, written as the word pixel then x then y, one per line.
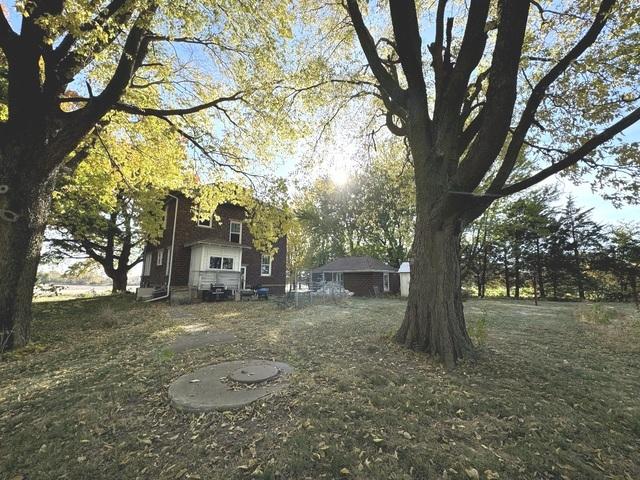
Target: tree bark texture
pixel 434 320
pixel 29 198
pixel 119 281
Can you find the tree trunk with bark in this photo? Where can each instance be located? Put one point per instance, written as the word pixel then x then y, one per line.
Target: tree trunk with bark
pixel 119 280
pixel 29 198
pixel 434 320
pixel 456 143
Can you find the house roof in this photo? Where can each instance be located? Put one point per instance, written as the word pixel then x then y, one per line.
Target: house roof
pixel 355 264
pixel 404 268
pixel 216 242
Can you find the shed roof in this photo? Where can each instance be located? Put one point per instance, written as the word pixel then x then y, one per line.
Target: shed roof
pixel 355 264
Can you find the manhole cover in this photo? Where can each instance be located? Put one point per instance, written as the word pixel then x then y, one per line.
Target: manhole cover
pixel 203 390
pixel 254 373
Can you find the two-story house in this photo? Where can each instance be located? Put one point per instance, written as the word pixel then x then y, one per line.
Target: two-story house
pixel 198 254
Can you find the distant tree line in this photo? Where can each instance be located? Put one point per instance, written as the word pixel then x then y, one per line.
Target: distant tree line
pixel 530 246
pixel 372 214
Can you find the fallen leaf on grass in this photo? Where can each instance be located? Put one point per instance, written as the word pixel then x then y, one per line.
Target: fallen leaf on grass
pixel 345 472
pixel 472 473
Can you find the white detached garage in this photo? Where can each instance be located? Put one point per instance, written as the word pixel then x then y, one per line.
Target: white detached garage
pixel 405 278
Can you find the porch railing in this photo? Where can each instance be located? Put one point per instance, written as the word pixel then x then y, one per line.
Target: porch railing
pixel 204 278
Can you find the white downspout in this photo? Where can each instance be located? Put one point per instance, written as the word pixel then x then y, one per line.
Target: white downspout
pixel 173 240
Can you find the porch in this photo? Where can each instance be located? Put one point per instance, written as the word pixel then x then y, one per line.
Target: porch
pixel 203 279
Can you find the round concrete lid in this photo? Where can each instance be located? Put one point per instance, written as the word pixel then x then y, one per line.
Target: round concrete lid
pixel 254 373
pixel 203 390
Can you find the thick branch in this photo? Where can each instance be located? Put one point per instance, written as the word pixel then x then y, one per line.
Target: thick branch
pixel 501 96
pixel 409 44
pixel 7 35
pixel 387 83
pixel 99 21
pixel 537 95
pixel 575 156
pixel 471 50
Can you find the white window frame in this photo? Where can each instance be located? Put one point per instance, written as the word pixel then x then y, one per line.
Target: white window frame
pixel 146 271
pixel 334 277
pixel 222 259
pixel 204 225
pixel 262 264
pixel 159 257
pixel 386 282
pixel 231 232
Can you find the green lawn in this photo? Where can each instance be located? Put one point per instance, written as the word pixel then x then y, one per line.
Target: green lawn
pixel 554 395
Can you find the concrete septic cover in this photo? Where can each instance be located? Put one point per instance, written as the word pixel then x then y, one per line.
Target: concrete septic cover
pixel 254 374
pixel 215 387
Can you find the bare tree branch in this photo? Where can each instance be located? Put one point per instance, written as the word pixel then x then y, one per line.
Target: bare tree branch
pixel 537 95
pixel 575 156
pixel 407 34
pixel 501 96
pixel 388 85
pixel 159 112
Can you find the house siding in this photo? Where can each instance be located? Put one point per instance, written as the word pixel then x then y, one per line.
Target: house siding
pixel 187 231
pixel 362 283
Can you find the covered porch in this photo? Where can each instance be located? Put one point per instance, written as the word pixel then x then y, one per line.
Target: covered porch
pixel 216 264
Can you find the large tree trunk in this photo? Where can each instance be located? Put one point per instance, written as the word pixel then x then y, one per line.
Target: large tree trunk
pixel 20 244
pixel 434 320
pixel 119 280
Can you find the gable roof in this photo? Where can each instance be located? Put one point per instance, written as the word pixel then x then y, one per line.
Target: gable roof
pixel 355 264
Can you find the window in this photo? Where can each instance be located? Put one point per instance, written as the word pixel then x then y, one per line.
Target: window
pixel 205 223
pixel 160 257
pixel 221 263
pixel 235 231
pixel 265 265
pixel 147 264
pixel 335 277
pixel 385 282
